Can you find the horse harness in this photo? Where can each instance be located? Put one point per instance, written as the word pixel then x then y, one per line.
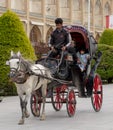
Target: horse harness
pixel 20 74
pixel 23 71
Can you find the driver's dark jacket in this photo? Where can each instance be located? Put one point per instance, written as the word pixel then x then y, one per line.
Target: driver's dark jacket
pixel 59 38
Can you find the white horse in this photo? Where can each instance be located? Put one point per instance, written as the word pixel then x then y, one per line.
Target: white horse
pixel 22 73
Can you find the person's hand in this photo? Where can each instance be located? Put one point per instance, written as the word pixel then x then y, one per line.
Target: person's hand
pixel 63 48
pixel 53 49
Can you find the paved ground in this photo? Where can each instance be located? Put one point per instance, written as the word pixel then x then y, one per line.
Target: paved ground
pixel 85 118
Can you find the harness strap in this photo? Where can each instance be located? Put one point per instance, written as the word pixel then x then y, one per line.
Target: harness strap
pixel 52 78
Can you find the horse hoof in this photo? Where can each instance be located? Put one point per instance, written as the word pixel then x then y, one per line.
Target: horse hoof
pixel 42 117
pixel 21 122
pixel 27 115
pixel 37 113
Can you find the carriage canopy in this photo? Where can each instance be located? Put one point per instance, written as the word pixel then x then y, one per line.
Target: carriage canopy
pixel 83 38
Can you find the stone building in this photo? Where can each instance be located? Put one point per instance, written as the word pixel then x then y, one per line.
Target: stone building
pixel 38 15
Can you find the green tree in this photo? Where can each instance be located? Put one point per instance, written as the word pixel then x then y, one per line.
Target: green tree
pixel 107 37
pixel 12 37
pixel 105 68
pixel 106 46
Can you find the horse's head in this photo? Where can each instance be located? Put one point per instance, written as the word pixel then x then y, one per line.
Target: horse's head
pixel 14 63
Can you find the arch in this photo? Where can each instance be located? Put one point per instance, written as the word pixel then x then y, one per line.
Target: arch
pixel 107 9
pixel 35 36
pixel 98 7
pixel 98 14
pixel 50 30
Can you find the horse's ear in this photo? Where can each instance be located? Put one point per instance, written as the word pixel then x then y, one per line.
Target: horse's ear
pixel 18 54
pixel 12 53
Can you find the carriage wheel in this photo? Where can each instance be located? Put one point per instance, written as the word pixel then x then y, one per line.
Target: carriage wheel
pixel 57 98
pixel 71 103
pixel 97 94
pixel 35 104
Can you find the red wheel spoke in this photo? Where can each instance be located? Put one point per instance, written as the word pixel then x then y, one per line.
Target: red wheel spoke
pixel 35 104
pixel 97 93
pixel 57 98
pixel 57 102
pixel 71 105
pixel 71 110
pixel 97 105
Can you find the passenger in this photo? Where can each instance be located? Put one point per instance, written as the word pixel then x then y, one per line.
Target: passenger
pixel 60 41
pixel 82 59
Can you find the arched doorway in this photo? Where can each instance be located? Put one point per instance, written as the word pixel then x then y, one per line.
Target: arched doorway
pixel 50 30
pixel 35 37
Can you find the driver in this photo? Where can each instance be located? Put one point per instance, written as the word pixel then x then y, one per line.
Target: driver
pixel 60 41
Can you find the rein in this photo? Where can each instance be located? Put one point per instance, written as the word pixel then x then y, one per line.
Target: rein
pixel 52 78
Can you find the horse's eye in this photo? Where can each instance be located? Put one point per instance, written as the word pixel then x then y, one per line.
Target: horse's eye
pixel 18 62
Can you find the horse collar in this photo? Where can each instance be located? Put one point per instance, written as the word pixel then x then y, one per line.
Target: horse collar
pixel 21 79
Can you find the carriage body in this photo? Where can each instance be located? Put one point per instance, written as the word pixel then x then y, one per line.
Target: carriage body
pixel 92 80
pixel 66 74
pixel 83 39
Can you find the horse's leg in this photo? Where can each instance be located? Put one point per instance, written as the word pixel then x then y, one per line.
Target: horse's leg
pixel 42 117
pixel 25 103
pixel 22 109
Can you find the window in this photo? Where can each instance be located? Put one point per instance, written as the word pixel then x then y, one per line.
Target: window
pixel 35 6
pixel 107 9
pixel 18 4
pixel 3 3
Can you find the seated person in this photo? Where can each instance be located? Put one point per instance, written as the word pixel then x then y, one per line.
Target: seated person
pixel 60 41
pixel 82 59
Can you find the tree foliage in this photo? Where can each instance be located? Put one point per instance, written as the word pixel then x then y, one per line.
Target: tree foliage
pixel 12 37
pixel 107 37
pixel 105 68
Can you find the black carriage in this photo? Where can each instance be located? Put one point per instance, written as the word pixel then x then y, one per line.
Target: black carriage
pixel 63 85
